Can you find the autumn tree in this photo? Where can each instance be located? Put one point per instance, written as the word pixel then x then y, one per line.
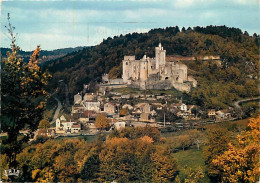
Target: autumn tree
pixel 102 122
pixel 194 176
pixel 184 141
pixel 241 164
pixel 165 167
pixel 123 112
pixel 23 97
pixel 218 139
pixel 44 124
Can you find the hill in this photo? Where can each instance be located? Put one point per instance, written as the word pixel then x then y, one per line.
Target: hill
pixel 218 85
pixel 45 54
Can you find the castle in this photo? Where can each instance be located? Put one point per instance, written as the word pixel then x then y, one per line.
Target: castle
pixel 156 73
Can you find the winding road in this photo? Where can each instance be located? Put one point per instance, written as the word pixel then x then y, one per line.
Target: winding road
pixel 56 114
pixel 236 104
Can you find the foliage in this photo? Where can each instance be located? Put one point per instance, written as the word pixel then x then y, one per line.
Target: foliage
pixel 184 141
pixel 241 164
pixel 194 176
pixel 218 139
pixel 23 97
pixel 164 166
pixel 116 159
pixel 102 122
pixel 135 160
pixel 123 112
pixel 44 124
pixel 137 132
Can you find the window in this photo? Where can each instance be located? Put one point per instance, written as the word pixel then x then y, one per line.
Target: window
pixel 126 63
pixel 166 78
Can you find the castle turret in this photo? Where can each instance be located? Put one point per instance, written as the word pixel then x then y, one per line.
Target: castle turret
pixel 160 56
pixel 143 69
pixel 127 67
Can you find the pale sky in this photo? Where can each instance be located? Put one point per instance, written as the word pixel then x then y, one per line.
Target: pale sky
pixel 71 23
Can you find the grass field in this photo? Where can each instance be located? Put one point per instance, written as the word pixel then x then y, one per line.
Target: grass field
pixel 191 158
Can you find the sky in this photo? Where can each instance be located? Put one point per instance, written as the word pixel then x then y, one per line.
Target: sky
pixel 61 24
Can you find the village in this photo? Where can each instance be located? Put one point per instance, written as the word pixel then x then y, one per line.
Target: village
pixel 135 110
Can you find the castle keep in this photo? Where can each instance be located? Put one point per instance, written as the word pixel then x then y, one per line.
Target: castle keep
pixel 156 73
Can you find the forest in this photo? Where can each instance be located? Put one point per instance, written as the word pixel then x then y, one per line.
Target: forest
pixel 228 152
pixel 218 86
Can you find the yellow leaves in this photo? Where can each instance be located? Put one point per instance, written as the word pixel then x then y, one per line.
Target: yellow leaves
pixel 35 173
pixel 102 122
pixel 241 164
pixel 41 105
pixel 147 139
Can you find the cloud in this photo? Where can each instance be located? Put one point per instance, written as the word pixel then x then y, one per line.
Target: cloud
pixel 57 24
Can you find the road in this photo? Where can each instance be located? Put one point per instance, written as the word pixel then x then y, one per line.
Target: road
pixel 236 104
pixel 56 114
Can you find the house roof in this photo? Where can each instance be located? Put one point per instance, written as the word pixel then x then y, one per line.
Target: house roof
pixel 75 126
pixel 140 105
pixel 109 103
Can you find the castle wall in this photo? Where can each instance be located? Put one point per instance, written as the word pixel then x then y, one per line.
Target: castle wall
pixel 183 87
pixel 193 81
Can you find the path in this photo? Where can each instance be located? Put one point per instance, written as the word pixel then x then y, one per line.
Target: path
pixel 240 113
pixel 236 104
pixel 56 114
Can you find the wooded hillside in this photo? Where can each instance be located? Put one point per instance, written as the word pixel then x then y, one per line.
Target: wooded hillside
pixel 218 86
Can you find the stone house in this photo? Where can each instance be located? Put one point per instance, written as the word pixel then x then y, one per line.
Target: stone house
pixel 75 128
pixel 91 106
pixel 212 113
pixel 77 99
pixel 109 108
pixel 181 106
pixel 120 125
pixel 46 132
pixel 89 97
pixel 127 106
pixel 223 114
pixel 142 107
pixel 77 108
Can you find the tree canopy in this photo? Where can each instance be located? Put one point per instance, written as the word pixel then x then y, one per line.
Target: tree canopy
pixel 23 97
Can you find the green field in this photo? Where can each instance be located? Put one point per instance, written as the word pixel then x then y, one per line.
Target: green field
pixel 191 158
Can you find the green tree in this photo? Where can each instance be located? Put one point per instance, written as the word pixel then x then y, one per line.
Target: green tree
pixel 23 97
pixel 218 139
pixel 44 124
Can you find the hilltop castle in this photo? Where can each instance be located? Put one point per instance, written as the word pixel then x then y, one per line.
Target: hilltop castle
pixel 160 72
pixel 156 73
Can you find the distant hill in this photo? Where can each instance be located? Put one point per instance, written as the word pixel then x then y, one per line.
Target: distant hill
pixel 218 86
pixel 45 55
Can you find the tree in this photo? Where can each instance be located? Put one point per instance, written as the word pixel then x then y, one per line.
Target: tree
pixel 165 168
pixel 184 141
pixel 241 164
pixel 44 124
pixel 218 139
pixel 123 112
pixel 23 97
pixel 194 176
pixel 196 137
pixel 102 122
